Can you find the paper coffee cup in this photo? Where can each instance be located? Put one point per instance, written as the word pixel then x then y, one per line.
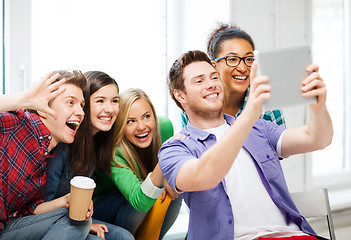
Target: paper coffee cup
pixel 82 189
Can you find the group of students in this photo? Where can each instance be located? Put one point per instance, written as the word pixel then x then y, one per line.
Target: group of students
pixel 75 131
pixel 224 164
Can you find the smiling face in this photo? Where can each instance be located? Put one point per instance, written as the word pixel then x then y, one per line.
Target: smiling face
pixel 235 79
pixel 69 111
pixel 141 124
pixel 104 108
pixel 203 94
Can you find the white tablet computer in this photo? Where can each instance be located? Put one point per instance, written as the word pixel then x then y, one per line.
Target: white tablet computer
pixel 286 69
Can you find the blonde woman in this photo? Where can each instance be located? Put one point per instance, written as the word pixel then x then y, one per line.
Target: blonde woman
pixel 126 195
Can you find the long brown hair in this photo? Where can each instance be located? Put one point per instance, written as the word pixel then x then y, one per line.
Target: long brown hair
pixel 148 160
pixel 88 151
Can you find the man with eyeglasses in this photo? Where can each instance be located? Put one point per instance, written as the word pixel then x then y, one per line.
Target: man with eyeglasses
pixel 227 169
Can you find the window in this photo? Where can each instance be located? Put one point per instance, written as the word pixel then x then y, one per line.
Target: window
pixel 332 165
pixel 127 40
pixel 189 24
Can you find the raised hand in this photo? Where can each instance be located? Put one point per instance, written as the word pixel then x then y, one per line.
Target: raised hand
pixel 43 92
pixel 314 86
pixel 260 91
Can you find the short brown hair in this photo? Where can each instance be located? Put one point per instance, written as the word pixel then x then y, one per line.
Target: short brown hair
pixel 74 77
pixel 175 77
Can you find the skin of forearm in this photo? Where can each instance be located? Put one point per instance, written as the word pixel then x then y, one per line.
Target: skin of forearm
pixel 320 128
pixel 156 176
pixel 316 135
pixel 52 205
pixel 319 131
pixel 13 101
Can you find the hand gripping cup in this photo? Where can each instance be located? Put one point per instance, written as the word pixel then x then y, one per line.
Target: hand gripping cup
pixel 82 189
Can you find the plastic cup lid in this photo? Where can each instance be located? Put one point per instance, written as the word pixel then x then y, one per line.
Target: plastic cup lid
pixel 83 182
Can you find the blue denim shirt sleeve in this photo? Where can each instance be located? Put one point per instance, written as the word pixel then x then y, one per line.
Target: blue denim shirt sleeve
pixel 57 168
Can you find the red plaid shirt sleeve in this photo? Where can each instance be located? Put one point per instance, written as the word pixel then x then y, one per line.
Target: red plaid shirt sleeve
pixel 24 141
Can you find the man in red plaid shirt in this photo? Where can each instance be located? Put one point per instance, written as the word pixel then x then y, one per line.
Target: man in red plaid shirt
pixel 27 140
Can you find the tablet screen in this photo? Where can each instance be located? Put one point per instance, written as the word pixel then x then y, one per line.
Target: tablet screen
pixel 286 69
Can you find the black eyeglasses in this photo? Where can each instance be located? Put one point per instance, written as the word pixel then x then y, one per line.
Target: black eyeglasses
pixel 233 61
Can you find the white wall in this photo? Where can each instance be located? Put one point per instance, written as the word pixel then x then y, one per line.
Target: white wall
pixel 189 23
pixel 277 24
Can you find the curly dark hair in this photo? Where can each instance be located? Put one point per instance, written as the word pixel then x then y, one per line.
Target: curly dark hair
pixel 224 32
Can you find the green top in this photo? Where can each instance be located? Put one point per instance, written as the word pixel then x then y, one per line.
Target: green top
pixel 125 180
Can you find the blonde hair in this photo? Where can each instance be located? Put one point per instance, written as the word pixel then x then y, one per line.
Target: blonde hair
pixel 148 161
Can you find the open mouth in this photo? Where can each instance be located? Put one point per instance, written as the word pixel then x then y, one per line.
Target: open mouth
pixel 73 125
pixel 142 136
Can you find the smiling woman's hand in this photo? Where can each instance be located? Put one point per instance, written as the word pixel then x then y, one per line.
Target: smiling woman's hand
pixel 99 230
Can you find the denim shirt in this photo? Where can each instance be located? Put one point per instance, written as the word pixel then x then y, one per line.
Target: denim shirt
pixel 58 174
pixel 211 215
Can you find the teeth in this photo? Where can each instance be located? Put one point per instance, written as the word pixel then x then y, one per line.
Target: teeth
pixel 142 135
pixel 240 77
pixel 212 96
pixel 73 122
pixel 105 118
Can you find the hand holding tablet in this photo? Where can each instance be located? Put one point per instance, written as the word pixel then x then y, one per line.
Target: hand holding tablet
pixel 286 69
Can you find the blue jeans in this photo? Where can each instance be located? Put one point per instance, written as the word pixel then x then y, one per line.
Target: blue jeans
pixel 48 226
pixel 114 208
pixel 114 232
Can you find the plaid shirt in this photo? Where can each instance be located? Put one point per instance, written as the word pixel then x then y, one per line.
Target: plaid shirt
pixel 275 116
pixel 24 140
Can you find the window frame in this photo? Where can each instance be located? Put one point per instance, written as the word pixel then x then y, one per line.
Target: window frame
pixel 340 179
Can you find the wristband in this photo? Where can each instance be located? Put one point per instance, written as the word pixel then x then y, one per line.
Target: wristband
pixel 149 189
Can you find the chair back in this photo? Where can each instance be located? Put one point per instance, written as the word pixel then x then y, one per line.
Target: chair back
pixel 315 203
